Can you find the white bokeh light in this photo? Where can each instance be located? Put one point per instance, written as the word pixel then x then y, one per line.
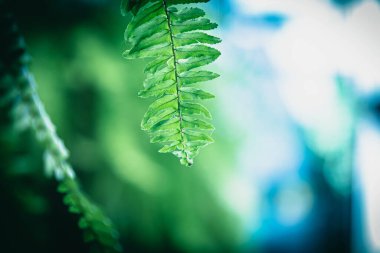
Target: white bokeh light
pixel 367 163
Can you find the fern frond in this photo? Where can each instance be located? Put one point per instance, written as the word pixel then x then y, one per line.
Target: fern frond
pixel 96 227
pixel 174 38
pixel 19 90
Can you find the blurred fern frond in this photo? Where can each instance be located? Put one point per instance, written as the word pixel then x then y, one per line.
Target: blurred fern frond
pixel 174 38
pixel 18 92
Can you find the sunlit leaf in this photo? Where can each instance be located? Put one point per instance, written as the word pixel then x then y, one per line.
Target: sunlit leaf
pixel 172 36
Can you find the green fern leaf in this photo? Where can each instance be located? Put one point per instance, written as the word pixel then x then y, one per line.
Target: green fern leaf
pixel 173 38
pixel 18 90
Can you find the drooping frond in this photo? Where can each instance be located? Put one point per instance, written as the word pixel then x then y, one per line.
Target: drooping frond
pixel 18 94
pixel 173 36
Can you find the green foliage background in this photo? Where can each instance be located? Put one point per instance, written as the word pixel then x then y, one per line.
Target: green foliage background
pixel 90 92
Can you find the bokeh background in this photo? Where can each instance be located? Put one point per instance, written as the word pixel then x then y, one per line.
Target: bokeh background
pixel 295 166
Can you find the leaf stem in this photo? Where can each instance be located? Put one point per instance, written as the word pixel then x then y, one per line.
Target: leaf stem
pixel 188 160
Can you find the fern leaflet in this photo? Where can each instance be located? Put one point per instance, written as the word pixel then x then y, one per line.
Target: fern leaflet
pixel 18 90
pixel 174 38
